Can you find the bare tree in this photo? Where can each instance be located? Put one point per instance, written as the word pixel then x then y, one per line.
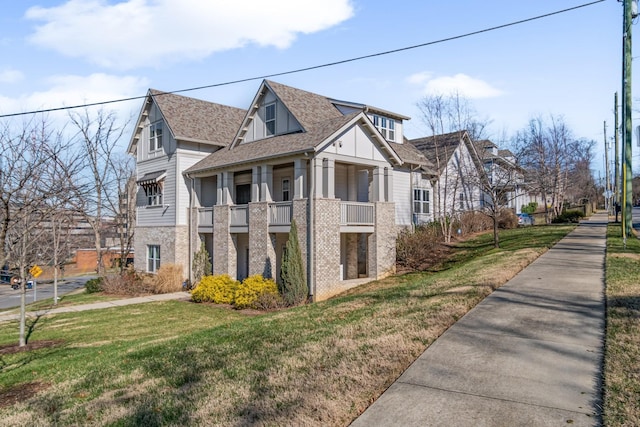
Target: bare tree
pixel 451 120
pixel 548 151
pixel 98 188
pixel 28 187
pixel 500 181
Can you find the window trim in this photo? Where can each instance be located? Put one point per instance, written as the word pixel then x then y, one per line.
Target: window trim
pixel 270 121
pixel 153 258
pixel 154 194
pixel 287 190
pixel 421 201
pixel 386 126
pixel 155 137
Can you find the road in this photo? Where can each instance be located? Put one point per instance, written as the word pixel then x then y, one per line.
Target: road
pixel 10 298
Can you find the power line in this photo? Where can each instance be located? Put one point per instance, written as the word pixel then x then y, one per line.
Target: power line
pixel 314 67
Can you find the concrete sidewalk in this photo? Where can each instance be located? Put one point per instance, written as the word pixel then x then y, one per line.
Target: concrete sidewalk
pixel 99 305
pixel 530 354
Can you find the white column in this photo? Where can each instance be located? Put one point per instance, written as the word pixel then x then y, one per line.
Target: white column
pixel 227 188
pixel 331 178
pixel 318 177
pixel 388 184
pixel 255 184
pixel 266 183
pixel 300 180
pixel 378 185
pixel 352 183
pixel 219 193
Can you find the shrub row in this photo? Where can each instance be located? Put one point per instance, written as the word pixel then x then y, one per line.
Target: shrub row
pixel 253 292
pixel 131 283
pixel 568 216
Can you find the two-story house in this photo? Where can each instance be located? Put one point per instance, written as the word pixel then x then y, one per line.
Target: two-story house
pixel 459 181
pixel 505 179
pixel 172 133
pixel 342 170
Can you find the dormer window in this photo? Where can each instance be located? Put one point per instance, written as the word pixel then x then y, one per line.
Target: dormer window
pixel 270 119
pixel 155 136
pixel 386 126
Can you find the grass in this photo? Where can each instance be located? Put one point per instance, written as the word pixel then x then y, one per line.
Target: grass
pixel 178 363
pixel 77 297
pixel 622 353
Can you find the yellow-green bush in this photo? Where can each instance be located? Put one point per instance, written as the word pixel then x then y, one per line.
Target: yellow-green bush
pixel 219 289
pixel 252 290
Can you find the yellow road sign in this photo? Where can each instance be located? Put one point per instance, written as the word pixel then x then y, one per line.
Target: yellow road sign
pixel 35 271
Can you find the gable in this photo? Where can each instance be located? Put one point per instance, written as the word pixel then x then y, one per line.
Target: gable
pixel 356 141
pixel 269 117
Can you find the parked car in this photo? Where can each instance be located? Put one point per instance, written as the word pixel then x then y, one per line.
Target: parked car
pixel 525 219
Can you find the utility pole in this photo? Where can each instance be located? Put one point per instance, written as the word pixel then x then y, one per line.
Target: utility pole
pixel 627 194
pixel 607 182
pixel 616 134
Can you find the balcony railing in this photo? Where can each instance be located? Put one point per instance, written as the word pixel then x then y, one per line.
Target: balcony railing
pixel 355 213
pixel 205 217
pixel 239 216
pixel 280 213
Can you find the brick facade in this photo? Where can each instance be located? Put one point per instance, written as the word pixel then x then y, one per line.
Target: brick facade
pixel 262 253
pixel 382 243
pixel 173 242
pixel 326 248
pixel 224 252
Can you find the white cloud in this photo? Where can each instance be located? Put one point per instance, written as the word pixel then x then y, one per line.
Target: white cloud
pixel 136 33
pixel 72 90
pixel 10 76
pixel 461 83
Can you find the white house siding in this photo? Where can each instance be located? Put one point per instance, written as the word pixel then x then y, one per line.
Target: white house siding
pixel 185 159
pixel 402 196
pixel 355 142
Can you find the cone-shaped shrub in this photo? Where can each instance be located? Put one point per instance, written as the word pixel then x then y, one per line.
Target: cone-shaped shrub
pixel 294 288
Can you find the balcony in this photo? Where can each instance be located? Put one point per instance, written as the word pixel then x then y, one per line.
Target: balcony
pixel 205 220
pixel 280 214
pixel 239 218
pixel 357 217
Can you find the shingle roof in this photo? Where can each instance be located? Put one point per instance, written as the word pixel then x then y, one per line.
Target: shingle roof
pixel 272 147
pixel 410 154
pixel 438 148
pixel 307 107
pixel 197 120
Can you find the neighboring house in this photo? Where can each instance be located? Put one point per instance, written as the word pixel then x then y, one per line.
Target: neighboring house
pixel 504 178
pixel 457 165
pixel 172 134
pixel 342 170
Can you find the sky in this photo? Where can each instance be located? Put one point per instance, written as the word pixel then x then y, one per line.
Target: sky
pixel 63 53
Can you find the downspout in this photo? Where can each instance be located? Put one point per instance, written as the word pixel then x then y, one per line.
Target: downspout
pixel 189 227
pixel 311 228
pixel 412 209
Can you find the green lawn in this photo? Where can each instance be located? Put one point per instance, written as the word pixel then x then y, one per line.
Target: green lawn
pixel 180 363
pixel 622 355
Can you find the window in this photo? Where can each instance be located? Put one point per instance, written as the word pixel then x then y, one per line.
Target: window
pixel 387 127
pixel 153 258
pixel 462 199
pixel 154 194
pixel 270 119
pixel 285 189
pixel 155 136
pixel 420 201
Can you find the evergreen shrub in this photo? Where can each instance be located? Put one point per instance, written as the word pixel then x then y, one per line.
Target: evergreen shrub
pixel 93 285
